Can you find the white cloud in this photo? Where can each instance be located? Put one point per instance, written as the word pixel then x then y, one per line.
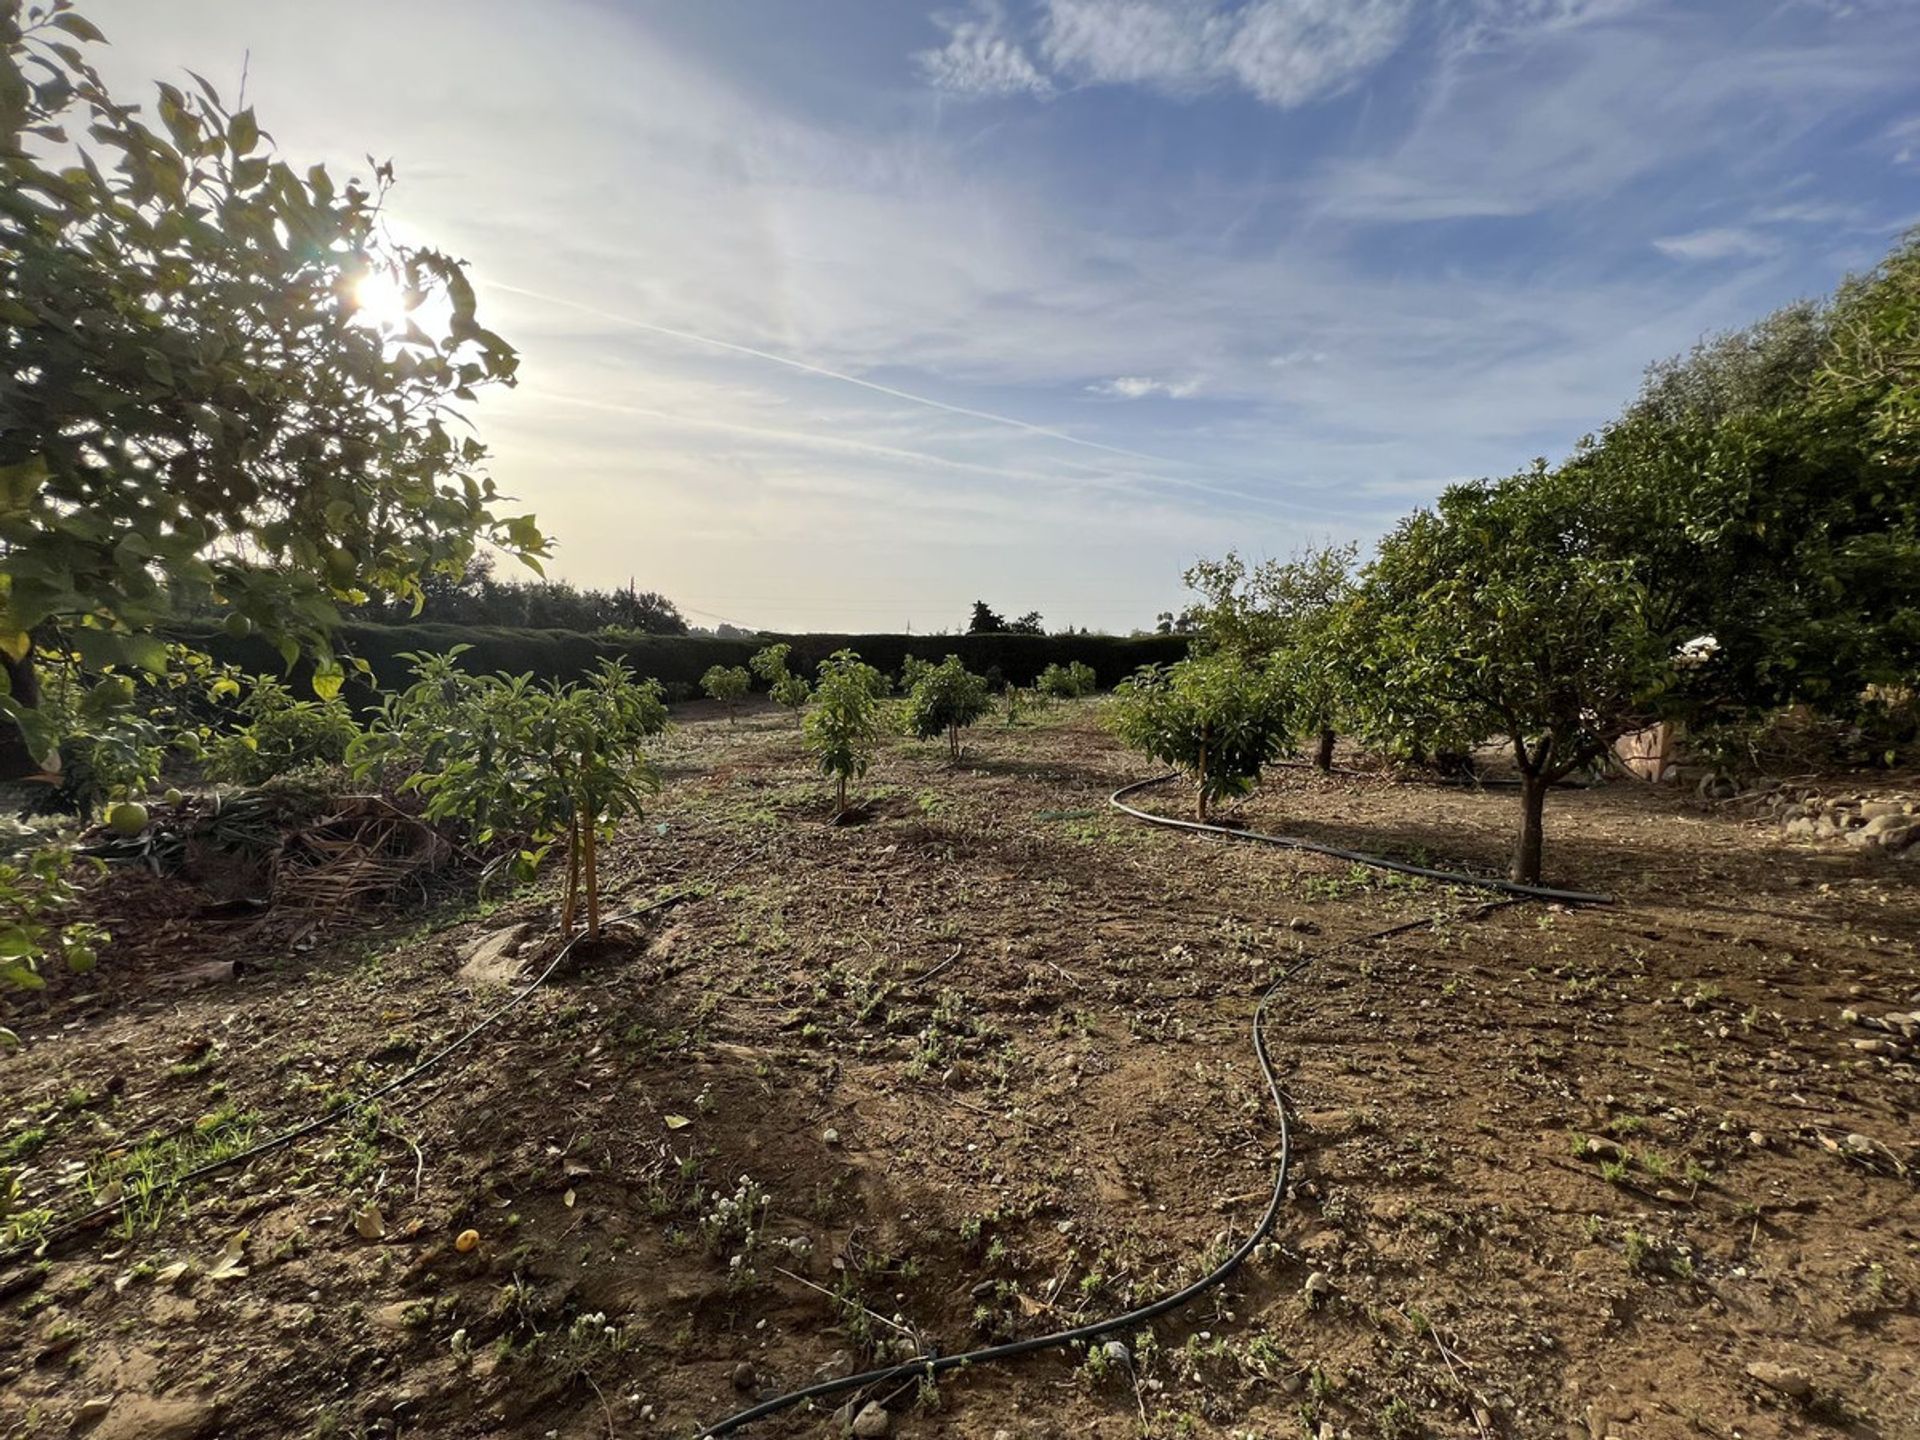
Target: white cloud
pixel 1142 387
pixel 1283 52
pixel 1904 137
pixel 1727 242
pixel 1604 105
pixel 980 58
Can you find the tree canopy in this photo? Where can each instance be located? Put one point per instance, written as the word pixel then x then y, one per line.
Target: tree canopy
pixel 199 409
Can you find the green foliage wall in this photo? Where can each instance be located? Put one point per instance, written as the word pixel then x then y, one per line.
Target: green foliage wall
pixel 680 660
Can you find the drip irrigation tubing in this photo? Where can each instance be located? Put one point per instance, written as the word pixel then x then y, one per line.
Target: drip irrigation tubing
pixel 99 1214
pixel 927 1367
pixel 1424 872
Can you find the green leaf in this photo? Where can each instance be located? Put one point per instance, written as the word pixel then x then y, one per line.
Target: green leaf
pixel 80 28
pixel 243 132
pixel 149 652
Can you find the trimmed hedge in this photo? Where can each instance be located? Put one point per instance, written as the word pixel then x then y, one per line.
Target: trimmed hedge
pixel 680 660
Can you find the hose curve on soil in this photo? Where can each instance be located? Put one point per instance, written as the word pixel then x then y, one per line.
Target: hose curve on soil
pixel 1450 877
pixel 928 1367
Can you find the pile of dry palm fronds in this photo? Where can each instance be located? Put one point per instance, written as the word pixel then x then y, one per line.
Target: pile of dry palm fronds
pixel 364 849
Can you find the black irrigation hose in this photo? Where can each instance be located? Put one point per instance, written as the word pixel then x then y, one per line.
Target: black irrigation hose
pixel 87 1219
pixel 1425 872
pixel 926 1367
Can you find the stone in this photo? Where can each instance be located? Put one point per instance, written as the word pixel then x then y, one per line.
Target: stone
pixel 1898 837
pixel 743 1377
pixel 1784 1378
pixel 1318 1286
pixel 147 1417
pixel 1117 1353
pixel 492 959
pixel 92 1412
pixel 872 1422
pixel 1883 809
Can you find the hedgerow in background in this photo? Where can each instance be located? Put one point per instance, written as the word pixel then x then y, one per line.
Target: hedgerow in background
pixel 946 699
pixel 1215 719
pixel 513 760
pixel 727 683
pixel 843 727
pixel 196 416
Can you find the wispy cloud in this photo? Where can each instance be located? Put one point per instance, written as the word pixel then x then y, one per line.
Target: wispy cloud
pixel 765 318
pixel 980 56
pixel 1904 138
pixel 1282 52
pixel 1141 387
pixel 1727 242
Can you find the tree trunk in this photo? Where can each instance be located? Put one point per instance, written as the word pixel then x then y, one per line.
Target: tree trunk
pixel 842 808
pixel 1323 757
pixel 571 903
pixel 1202 811
pixel 593 882
pixel 1526 851
pixel 23 684
pixel 953 743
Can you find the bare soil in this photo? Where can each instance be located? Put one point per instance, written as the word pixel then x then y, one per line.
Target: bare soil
pixel 980 1067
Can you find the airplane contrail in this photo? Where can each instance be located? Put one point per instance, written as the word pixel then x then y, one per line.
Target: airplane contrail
pixel 840 375
pixel 896 452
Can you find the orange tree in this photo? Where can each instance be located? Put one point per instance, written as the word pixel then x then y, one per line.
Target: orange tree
pixel 946 699
pixel 1490 616
pixel 784 688
pixel 1217 719
pixel 200 413
pixel 843 728
pixel 534 766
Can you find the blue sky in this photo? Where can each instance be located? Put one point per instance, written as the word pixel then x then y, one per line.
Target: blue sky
pixel 838 314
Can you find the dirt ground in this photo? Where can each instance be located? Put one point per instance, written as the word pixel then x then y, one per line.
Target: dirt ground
pixel 981 1067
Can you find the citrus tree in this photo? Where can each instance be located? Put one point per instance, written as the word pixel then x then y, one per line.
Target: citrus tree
pixel 279 732
pixel 1067 682
pixel 946 699
pixel 784 687
pixel 1283 611
pixel 843 727
pixel 37 899
pixel 1213 718
pixel 727 683
pixel 203 411
pixel 1488 617
pixel 510 760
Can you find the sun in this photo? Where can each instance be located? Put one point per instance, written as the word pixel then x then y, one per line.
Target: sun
pixel 380 299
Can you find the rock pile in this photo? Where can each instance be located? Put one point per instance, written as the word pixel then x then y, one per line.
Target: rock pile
pixel 1899 1031
pixel 1882 826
